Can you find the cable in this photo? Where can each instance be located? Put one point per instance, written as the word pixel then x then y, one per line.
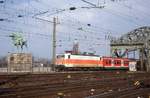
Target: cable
pixel 37 34
pixel 128 16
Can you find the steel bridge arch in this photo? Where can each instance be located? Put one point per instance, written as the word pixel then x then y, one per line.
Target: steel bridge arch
pixel 138 39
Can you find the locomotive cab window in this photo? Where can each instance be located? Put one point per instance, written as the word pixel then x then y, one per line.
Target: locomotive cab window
pixel 68 56
pixel 60 56
pixel 100 58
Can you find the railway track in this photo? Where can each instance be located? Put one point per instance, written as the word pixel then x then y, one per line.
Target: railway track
pixel 131 92
pixel 70 85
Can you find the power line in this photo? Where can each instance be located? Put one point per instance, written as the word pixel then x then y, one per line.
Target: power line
pixel 13 30
pixel 130 15
pixel 89 3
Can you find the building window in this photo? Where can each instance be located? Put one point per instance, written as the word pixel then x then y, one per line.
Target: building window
pixel 11 58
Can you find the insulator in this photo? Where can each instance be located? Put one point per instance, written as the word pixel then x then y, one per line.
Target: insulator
pixel 72 8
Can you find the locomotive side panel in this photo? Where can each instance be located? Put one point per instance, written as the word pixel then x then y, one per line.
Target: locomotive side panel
pixel 115 63
pixel 84 61
pixel 81 61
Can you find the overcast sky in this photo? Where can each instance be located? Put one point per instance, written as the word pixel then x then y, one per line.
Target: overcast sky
pixel 89 26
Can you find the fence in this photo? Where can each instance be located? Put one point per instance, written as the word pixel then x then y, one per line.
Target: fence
pixel 37 69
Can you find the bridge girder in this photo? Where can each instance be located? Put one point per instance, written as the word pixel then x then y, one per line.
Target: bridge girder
pixel 134 40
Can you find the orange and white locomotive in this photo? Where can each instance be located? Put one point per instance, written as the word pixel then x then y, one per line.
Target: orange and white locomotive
pixel 89 62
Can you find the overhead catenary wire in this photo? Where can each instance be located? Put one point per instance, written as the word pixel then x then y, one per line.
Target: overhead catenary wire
pixel 92 31
pixel 19 31
pixel 77 34
pixel 36 34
